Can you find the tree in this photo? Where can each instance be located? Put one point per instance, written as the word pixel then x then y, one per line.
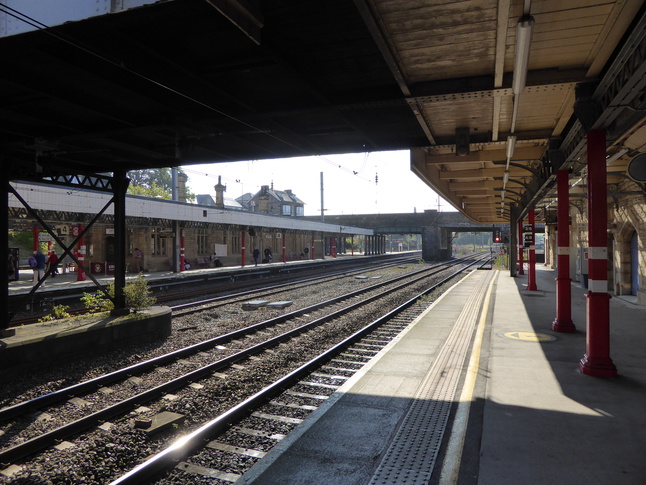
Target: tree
pixel 155 183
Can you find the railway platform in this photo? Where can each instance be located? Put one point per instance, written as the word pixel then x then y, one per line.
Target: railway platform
pixel 69 279
pixel 512 407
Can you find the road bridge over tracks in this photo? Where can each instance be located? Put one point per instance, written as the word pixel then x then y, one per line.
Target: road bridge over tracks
pixel 436 228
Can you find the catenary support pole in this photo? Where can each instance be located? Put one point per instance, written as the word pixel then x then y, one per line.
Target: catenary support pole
pixel 531 278
pixel 563 321
pixel 597 361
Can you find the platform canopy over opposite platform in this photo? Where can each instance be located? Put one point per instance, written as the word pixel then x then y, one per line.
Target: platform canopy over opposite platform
pixel 482 91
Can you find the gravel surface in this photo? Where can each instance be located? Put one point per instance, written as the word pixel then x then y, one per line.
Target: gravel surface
pixel 101 455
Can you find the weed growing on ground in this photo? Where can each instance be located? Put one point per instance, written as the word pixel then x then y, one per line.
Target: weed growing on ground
pixel 58 312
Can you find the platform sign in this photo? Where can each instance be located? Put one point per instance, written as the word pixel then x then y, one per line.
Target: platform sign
pixel 44 237
pixel 220 250
pixel 97 268
pixel 166 235
pixel 528 235
pixel 528 240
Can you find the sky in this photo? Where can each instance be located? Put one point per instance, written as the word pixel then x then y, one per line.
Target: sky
pixel 348 182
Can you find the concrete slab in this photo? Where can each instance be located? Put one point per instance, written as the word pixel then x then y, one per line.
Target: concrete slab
pixel 280 304
pixel 254 304
pixel 39 343
pixel 161 421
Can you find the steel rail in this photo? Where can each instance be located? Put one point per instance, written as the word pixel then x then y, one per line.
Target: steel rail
pixel 46 439
pixel 196 439
pixel 351 264
pixel 97 382
pixel 331 276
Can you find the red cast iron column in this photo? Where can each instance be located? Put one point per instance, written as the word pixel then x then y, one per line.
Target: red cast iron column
pixel 80 274
pixel 182 251
pixel 531 278
pixel 597 361
pixel 521 248
pixel 242 249
pixel 284 249
pixel 563 321
pixel 35 245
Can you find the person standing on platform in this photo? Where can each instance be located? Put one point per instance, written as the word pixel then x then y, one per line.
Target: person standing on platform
pixel 39 272
pixel 256 255
pixel 11 266
pixel 52 264
pixel 137 255
pixel 33 264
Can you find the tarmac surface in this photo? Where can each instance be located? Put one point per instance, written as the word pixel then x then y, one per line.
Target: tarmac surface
pixel 522 413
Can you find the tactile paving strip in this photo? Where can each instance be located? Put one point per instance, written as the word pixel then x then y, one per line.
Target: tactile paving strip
pixel 411 457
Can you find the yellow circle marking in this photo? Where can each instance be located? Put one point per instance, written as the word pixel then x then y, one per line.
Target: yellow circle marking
pixel 529 336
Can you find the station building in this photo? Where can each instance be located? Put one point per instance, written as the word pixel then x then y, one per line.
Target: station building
pixel 168 232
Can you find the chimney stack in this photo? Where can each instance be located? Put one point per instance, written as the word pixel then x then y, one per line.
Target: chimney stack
pixel 219 193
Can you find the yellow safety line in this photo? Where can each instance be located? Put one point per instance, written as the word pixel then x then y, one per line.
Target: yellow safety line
pixel 453 455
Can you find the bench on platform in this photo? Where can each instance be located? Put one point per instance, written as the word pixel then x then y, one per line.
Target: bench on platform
pixel 201 263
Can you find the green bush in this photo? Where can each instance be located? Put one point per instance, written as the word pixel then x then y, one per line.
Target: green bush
pixel 137 296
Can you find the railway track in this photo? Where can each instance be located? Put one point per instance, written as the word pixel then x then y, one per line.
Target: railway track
pixel 170 292
pixel 261 339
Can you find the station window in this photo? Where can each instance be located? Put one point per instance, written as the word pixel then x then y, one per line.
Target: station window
pixel 202 242
pixel 287 210
pixel 159 245
pixel 299 211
